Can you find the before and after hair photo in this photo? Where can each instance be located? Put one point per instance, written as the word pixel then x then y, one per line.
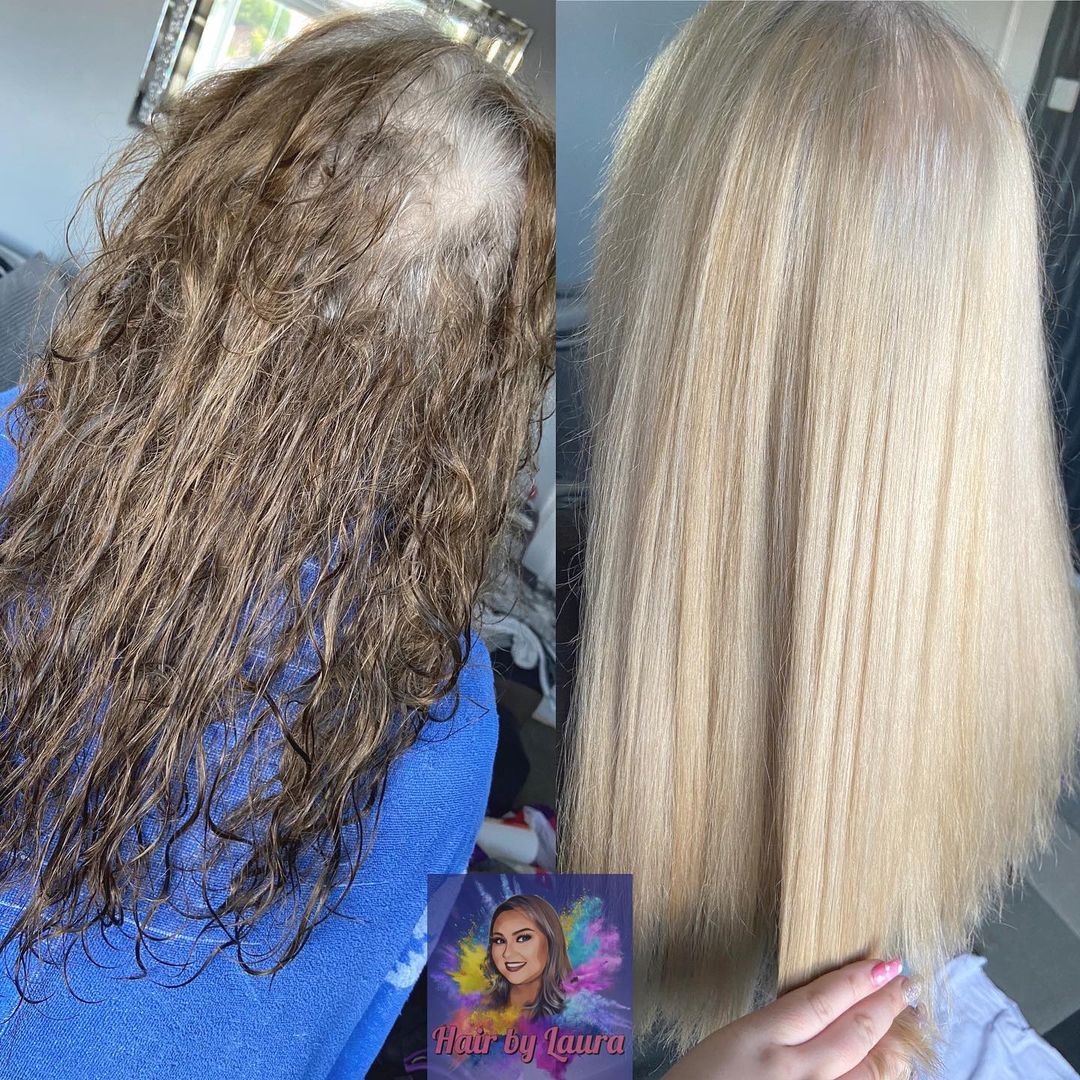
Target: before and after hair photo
pixel 539 540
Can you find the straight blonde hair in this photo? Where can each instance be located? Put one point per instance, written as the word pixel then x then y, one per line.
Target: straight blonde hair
pixel 828 683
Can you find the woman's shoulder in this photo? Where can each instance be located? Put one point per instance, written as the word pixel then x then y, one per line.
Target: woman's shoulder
pixel 462 729
pixel 8 453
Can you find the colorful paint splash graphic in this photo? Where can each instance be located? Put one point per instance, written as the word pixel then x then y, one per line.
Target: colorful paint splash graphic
pixel 595 951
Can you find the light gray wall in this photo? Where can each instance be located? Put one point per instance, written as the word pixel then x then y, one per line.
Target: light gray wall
pixel 69 70
pixel 1011 31
pixel 537 68
pixel 605 48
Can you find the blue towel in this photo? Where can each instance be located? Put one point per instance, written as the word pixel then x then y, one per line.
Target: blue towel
pixel 326 1013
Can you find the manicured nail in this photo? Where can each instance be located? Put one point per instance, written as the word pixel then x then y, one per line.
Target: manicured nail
pixel 912 993
pixel 885 972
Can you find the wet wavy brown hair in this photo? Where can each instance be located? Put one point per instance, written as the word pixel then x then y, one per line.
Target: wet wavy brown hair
pixel 264 462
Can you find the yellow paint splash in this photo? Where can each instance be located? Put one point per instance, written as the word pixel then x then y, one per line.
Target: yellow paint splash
pixel 495 1021
pixel 568 918
pixel 469 975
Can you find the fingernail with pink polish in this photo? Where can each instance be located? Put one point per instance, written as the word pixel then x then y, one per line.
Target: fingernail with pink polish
pixel 885 972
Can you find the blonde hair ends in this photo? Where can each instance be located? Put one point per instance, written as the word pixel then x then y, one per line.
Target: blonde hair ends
pixel 828 681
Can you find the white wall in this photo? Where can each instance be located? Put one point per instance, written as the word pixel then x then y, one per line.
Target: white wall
pixel 605 48
pixel 69 70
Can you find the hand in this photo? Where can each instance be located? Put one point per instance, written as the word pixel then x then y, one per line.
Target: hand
pixel 824 1030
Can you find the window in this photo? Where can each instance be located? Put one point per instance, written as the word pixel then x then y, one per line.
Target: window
pixel 196 37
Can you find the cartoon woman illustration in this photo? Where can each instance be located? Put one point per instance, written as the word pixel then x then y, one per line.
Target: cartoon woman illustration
pixel 527 959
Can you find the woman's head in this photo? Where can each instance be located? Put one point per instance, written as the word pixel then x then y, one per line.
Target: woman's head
pixel 527 947
pixel 828 586
pixel 264 462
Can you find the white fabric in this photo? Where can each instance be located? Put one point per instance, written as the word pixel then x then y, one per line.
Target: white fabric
pixel 985 1036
